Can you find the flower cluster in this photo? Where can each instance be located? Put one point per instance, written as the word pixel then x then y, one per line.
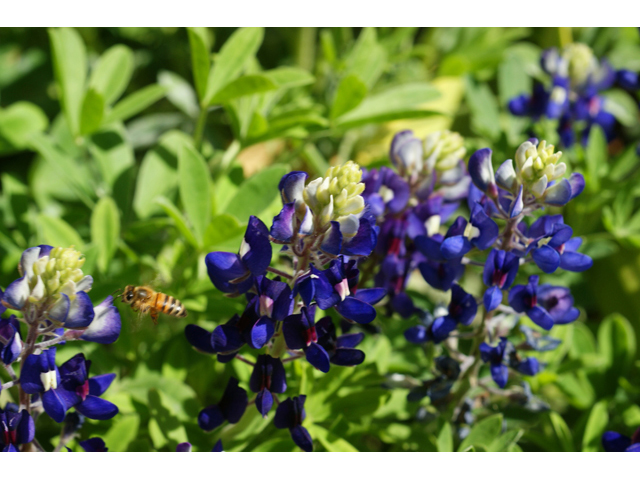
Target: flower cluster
pixel 503 233
pixel 429 182
pixel 616 442
pixel 323 228
pixel 573 95
pixel 52 298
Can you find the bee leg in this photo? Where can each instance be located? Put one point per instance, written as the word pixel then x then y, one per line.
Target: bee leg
pixel 154 316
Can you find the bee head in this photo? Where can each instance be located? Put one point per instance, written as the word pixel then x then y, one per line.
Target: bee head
pixel 128 294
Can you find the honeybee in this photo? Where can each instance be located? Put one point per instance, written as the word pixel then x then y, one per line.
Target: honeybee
pixel 146 300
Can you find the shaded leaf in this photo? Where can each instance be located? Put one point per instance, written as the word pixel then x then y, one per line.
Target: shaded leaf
pixel 105 230
pixel 112 73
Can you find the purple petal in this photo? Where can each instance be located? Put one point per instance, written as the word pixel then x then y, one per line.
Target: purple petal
pixel 455 247
pixel 282 228
pixel 575 262
pixel 26 428
pixel 301 438
pixel 210 418
pixel 371 295
pixel 546 258
pixel 577 184
pixel 481 171
pixel 363 242
pixel 291 186
pixel 262 332
pixel 492 298
pixel 517 205
pixel 318 357
pixel 16 294
pixel 255 251
pixel 97 408
pixel 95 444
pixel 54 405
pixel 264 402
pixel 184 447
pixel 442 327
pixel 60 310
pixel 500 374
pixel 234 401
pixel 332 242
pixel 540 317
pixel 615 442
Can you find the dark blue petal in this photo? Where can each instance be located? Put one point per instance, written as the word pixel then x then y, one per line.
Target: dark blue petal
pixel 577 184
pixel 363 242
pixel 500 374
pixel 255 251
pixel 301 438
pixel 291 186
pixel 199 338
pixel 417 334
pixel 80 312
pixel 558 194
pixel 615 442
pixel 442 327
pixel 184 447
pixel 540 317
pixel 348 357
pixel 481 171
pixel 97 408
pixel 332 242
pixel 217 447
pixel 517 205
pixel 26 428
pixel 285 415
pixel 429 247
pixel 95 444
pixel 318 357
pixel 54 405
pixel 455 247
pixel 264 402
pixel 282 228
pixel 17 294
pixel 371 295
pixel 234 401
pixel 529 366
pixel 210 418
pixel 353 309
pixel 99 384
pixel 262 332
pixel 350 340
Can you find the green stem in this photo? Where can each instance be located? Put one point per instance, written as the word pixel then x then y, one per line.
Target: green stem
pixel 199 130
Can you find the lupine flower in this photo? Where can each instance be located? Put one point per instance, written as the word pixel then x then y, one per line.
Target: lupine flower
pixel 16 428
pixel 552 246
pixel 499 272
pixel 79 391
pixel 40 375
pixel 10 340
pixel 290 414
pixel 232 273
pixel 268 377
pixel 524 299
pixel 272 302
pixel 558 302
pixel 340 349
pixel 231 407
pixel 495 357
pixel 53 276
pixel 462 311
pixel 300 333
pixel 441 275
pixel 94 444
pixel 616 442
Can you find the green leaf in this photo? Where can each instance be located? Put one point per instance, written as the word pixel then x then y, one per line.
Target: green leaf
pixel 512 78
pixel 20 121
pixel 224 230
pixel 622 106
pixel 329 440
pixel 243 86
pixel 112 73
pixel 395 103
pixel 257 193
pixel 70 68
pixel 485 114
pixel 92 112
pixel 351 91
pixel 625 165
pixel 445 438
pixel 193 180
pixel 483 433
pixel 596 425
pixel 105 230
pixel 200 58
pixel 562 431
pixel 135 103
pixel 367 59
pixel 169 424
pixel 595 157
pixel 179 92
pixel 234 54
pixel 122 433
pixel 180 222
pixel 58 233
pixel 289 77
pixel 505 441
pixel 113 153
pixel 617 343
pixel 158 173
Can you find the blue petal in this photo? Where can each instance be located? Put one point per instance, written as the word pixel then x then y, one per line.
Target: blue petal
pixel 217 447
pixel 106 325
pixel 332 242
pixel 558 194
pixel 80 312
pixel 529 366
pixel 429 247
pixel 492 298
pixel 291 186
pixel 30 375
pixel 184 447
pixel 546 258
pixel 455 247
pixel 223 268
pixel 442 327
pixel 262 332
pixel 575 262
pixel 210 418
pixel 99 384
pixel 234 401
pixel 615 442
pixel 353 309
pixel 16 294
pixel 371 295
pixel 577 184
pixel 97 408
pixel 540 317
pixel 348 357
pixel 481 170
pixel 301 438
pixel 417 334
pixel 285 415
pixel 54 405
pixel 517 205
pixel 363 242
pixel 349 340
pixel 264 402
pixel 60 310
pixel 500 374
pixel 282 228
pixel 199 338
pixel 95 444
pixel 26 428
pixel 318 357
pixel 257 256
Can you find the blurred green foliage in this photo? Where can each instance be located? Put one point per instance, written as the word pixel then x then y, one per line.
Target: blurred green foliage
pixel 147 148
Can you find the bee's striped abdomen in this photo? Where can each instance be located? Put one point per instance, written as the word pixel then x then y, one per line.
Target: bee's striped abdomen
pixel 170 305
